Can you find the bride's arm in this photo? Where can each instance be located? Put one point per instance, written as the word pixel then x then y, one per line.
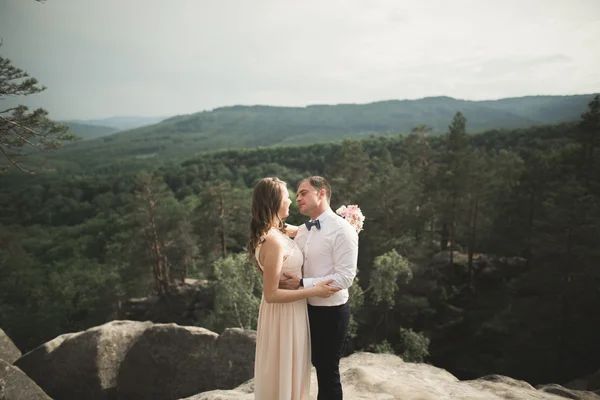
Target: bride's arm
pixel 291 230
pixel 272 264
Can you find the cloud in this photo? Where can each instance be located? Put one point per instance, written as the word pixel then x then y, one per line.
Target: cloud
pixel 150 57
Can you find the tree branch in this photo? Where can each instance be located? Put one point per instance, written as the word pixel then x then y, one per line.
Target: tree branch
pixel 23 138
pixel 10 121
pixel 237 314
pixel 16 164
pixel 7 110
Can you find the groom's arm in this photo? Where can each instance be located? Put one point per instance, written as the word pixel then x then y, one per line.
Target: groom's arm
pixel 291 230
pixel 345 258
pixel 287 280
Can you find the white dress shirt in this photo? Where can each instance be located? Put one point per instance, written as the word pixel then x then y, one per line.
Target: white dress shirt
pixel 329 253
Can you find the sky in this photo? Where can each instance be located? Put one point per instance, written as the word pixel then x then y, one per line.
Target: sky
pixel 103 58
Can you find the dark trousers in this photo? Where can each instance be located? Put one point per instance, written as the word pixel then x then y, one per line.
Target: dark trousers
pixel 328 330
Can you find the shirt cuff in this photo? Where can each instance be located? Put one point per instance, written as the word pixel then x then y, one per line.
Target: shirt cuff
pixel 308 282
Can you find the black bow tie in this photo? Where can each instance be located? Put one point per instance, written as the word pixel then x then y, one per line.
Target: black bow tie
pixel 310 224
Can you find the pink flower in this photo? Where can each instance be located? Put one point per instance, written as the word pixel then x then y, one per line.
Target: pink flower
pixel 353 215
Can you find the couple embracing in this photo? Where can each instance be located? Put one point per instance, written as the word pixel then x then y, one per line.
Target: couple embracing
pixel 304 312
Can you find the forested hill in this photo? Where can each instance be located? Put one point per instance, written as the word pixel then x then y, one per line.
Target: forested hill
pixel 88 131
pixel 183 136
pixel 121 123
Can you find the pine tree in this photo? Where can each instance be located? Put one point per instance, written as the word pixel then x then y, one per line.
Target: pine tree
pixel 162 238
pixel 349 173
pixel 221 217
pixel 20 129
pixel 588 138
pixel 454 179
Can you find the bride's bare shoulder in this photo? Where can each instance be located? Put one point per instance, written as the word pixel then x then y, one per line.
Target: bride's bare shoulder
pixel 272 248
pixel 272 240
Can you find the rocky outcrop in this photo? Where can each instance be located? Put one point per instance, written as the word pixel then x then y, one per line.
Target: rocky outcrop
pixel 15 385
pixel 8 351
pixel 234 361
pixel 170 361
pixel 82 365
pixel 383 376
pixel 589 382
pixel 140 360
pixel 568 393
pixel 242 392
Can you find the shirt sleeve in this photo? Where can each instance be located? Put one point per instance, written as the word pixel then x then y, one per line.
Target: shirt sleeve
pixel 345 259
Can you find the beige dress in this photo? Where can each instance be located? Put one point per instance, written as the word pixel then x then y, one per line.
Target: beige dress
pixel 282 363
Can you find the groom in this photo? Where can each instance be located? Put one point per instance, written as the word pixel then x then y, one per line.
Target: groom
pixel 330 248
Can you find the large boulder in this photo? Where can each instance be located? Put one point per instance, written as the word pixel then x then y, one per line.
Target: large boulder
pixel 234 357
pixel 8 351
pixel 171 361
pixel 82 365
pixel 242 392
pixel 502 379
pixel 141 360
pixel 589 382
pixel 15 385
pixel 384 376
pixel 568 393
pixel 223 395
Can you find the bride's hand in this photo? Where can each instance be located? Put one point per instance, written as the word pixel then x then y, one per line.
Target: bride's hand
pixel 322 289
pixel 291 230
pixel 289 281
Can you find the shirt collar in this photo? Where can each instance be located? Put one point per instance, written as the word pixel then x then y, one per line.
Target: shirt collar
pixel 324 215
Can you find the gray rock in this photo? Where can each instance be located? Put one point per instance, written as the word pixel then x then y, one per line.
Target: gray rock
pixel 222 395
pixel 568 393
pixel 506 380
pixel 15 385
pixel 589 382
pixel 8 351
pixel 234 358
pixel 171 361
pixel 385 376
pixel 82 365
pixel 242 392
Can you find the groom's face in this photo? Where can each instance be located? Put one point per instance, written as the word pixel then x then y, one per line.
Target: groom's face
pixel 308 199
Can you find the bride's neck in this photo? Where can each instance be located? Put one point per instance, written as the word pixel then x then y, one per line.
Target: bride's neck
pixel 275 224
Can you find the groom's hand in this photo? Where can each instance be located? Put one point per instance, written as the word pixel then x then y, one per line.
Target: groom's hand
pixel 289 281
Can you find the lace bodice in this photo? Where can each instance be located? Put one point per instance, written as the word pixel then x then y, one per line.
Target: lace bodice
pixel 292 256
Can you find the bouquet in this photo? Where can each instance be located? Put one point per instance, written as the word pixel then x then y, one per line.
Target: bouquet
pixel 353 215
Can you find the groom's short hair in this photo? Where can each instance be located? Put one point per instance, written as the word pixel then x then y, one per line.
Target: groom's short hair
pixel 318 182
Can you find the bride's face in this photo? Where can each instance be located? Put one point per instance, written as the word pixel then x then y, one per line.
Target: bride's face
pixel 284 208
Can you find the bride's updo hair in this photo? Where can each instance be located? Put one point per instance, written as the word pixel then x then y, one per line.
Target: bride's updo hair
pixel 266 202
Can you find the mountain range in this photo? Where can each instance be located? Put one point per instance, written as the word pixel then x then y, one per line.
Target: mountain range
pixel 118 123
pixel 184 136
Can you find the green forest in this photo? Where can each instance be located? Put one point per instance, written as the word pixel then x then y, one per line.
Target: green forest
pixel 181 137
pixel 480 252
